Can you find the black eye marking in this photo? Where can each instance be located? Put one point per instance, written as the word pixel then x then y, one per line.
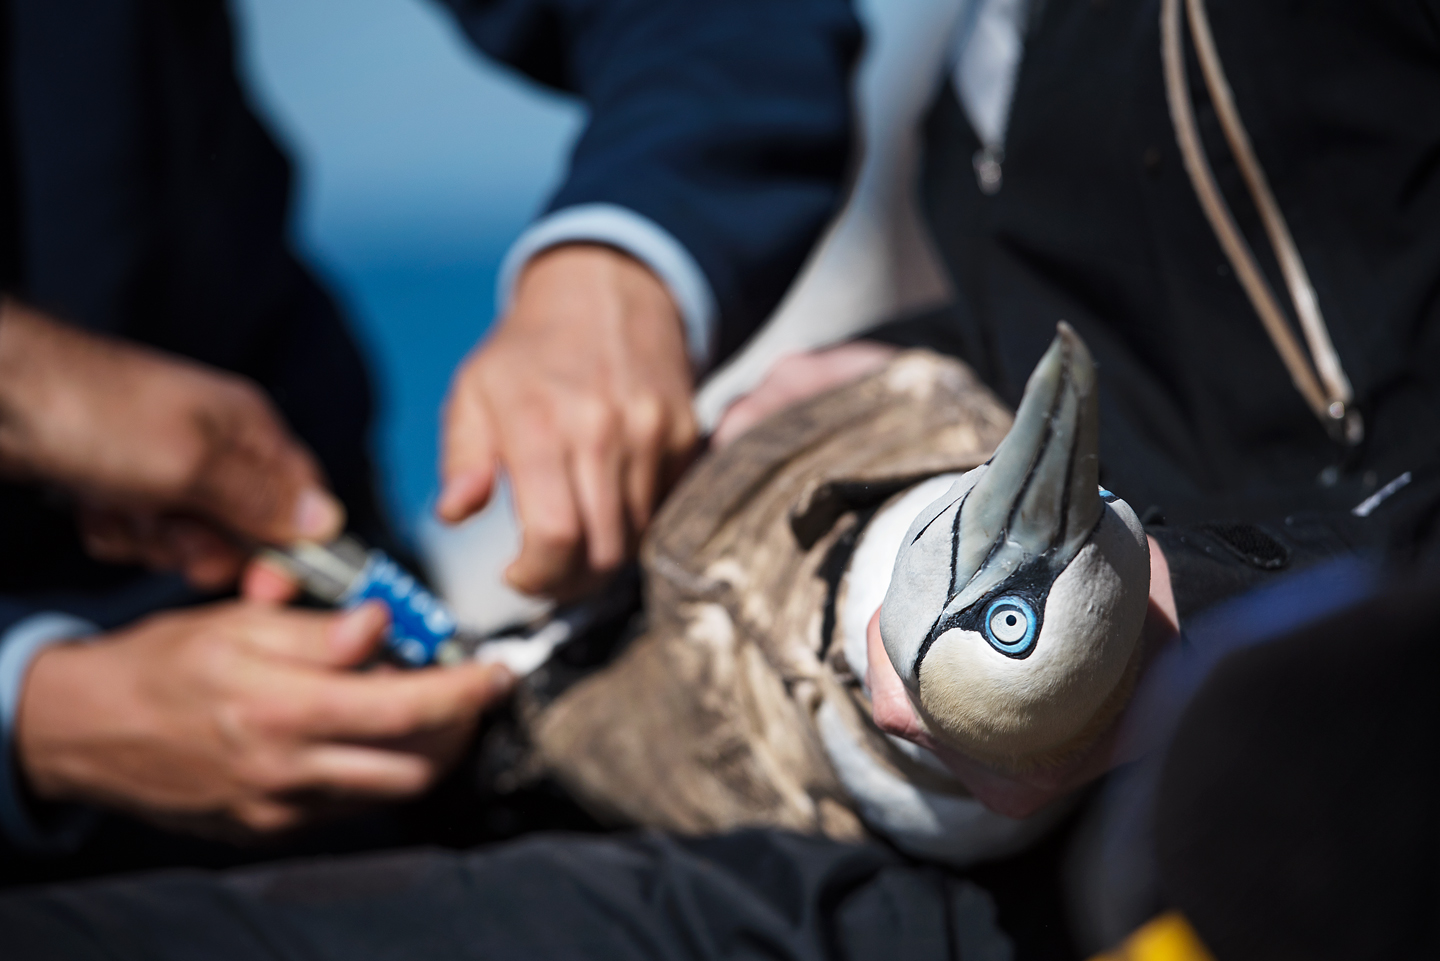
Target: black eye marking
pixel 1030 585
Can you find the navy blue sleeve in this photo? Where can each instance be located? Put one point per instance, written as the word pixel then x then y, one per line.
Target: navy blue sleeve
pixel 727 122
pixel 12 612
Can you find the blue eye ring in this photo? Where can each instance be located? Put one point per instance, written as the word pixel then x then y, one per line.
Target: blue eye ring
pixel 1007 639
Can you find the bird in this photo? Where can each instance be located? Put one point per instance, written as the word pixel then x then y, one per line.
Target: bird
pixel 1014 610
pixel 1011 599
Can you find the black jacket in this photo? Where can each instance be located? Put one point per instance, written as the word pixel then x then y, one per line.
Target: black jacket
pixel 1097 223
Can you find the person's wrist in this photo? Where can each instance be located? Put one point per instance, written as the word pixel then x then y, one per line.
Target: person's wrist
pixel 583 264
pixel 25 817
pixel 53 689
pixel 647 241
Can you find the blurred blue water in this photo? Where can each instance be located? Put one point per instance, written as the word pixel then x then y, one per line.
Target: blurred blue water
pixel 417 165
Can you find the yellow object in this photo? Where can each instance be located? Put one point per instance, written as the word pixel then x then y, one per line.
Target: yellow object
pixel 1167 938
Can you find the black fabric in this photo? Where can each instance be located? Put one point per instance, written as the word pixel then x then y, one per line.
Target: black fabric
pixel 9 187
pixel 1097 223
pixel 1113 872
pixel 1296 814
pixel 748 895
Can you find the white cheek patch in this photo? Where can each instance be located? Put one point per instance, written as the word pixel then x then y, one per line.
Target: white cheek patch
pixel 922 576
pixel 1014 707
pixel 867 576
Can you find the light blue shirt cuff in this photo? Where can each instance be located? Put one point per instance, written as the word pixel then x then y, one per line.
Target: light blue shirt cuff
pixel 641 238
pixel 18 647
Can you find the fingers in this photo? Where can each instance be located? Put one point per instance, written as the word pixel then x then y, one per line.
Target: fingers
pixel 272 497
pixel 249 474
pixel 382 734
pixel 355 635
pixel 155 433
pixel 662 443
pixel 465 494
pixel 314 777
pixel 597 465
pixel 647 447
pixel 393 705
pixel 366 706
pixel 265 815
pixel 582 395
pixel 394 740
pixel 352 769
pixel 207 558
pixel 738 418
pixel 266 583
pixel 565 464
pixel 549 514
pixel 313 638
pixel 799 377
pixel 1162 619
pixel 585 482
pixel 468 459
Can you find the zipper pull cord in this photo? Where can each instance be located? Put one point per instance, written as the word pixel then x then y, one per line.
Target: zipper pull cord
pixel 1332 403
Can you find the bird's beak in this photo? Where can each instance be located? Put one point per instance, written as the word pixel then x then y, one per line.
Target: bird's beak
pixel 1034 504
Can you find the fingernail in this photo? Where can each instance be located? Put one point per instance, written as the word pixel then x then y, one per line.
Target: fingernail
pixel 445 503
pixel 358 630
pixel 502 681
pixel 318 516
pixel 458 495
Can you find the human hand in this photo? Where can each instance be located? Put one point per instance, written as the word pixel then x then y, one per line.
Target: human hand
pixel 243 714
pixel 583 395
pixel 1016 794
pixel 171 461
pixel 799 377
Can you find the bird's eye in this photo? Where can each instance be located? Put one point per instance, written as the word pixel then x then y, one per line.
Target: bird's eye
pixel 1010 625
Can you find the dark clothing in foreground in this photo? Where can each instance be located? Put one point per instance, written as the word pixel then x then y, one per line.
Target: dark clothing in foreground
pixel 753 894
pixel 1296 814
pixel 1295 820
pixel 1097 223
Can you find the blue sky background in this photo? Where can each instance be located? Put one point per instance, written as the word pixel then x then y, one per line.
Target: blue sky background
pixel 417 164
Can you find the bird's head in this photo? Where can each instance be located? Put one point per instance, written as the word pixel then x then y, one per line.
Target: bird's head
pixel 1018 597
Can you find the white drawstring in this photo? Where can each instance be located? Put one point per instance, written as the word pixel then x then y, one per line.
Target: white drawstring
pixel 1332 403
